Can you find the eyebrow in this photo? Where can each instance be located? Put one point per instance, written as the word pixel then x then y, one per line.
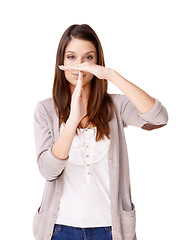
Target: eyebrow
pixel 85 53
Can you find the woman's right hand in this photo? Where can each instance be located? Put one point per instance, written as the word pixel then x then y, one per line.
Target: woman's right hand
pixel 62 146
pixel 78 110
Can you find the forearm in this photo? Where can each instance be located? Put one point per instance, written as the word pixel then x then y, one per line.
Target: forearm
pixel 63 144
pixel 140 99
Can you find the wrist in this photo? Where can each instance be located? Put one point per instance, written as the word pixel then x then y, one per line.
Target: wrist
pixel 72 120
pixel 110 74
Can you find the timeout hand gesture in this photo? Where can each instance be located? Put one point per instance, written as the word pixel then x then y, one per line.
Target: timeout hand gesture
pixel 77 105
pixel 97 70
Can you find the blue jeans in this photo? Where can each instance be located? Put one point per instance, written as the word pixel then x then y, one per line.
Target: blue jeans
pixel 62 232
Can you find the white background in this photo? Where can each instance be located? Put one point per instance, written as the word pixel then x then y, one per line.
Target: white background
pixel 147 42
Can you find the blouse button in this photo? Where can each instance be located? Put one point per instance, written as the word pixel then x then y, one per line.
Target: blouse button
pixel 113 210
pixel 110 161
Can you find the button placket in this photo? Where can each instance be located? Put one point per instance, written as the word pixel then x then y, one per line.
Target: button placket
pixel 87 166
pixel 87 161
pixel 88 176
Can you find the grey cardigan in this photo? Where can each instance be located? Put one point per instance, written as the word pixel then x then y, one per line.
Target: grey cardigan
pixel 46 131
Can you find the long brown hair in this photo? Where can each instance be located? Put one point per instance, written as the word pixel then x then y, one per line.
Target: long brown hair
pixel 100 105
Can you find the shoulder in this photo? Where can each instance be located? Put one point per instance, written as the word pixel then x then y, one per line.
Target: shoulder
pixel 44 106
pixel 46 102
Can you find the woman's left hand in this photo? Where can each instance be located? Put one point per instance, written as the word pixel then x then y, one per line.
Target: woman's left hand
pixel 97 70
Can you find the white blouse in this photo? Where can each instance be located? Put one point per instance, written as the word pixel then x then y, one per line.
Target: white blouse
pixel 85 199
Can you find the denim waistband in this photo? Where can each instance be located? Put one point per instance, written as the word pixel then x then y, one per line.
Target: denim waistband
pixel 61 227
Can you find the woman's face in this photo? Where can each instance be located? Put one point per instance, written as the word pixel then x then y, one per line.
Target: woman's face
pixel 79 51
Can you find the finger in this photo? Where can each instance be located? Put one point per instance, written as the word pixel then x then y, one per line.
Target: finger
pixel 79 84
pixel 69 68
pixel 80 80
pixel 62 67
pixel 81 67
pixel 80 77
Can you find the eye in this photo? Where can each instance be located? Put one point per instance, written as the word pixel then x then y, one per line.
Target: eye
pixel 89 57
pixel 70 57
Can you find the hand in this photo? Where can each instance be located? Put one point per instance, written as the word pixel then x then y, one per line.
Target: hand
pixel 77 105
pixel 97 70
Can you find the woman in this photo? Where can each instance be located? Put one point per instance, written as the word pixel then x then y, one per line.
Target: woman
pixel 81 146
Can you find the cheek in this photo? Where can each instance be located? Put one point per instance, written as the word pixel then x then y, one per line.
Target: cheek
pixel 67 62
pixel 64 62
pixel 67 75
pixel 88 78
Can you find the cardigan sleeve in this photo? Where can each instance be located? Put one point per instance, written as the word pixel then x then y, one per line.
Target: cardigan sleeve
pixel 50 167
pixel 155 118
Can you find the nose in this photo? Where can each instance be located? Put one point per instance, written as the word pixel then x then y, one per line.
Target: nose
pixel 80 60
